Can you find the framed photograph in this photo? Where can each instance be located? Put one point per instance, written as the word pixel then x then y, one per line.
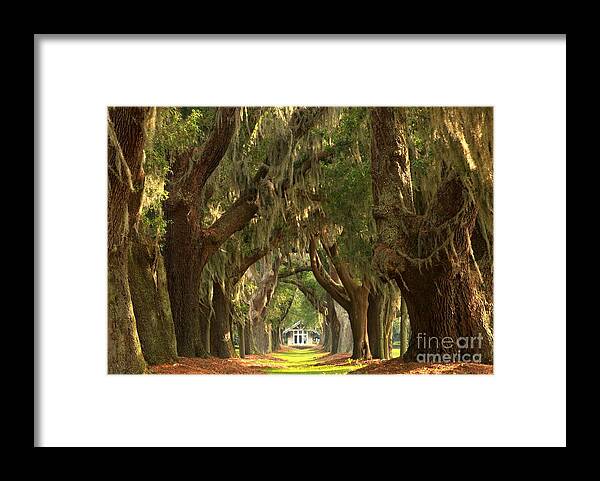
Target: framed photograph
pixel 300 223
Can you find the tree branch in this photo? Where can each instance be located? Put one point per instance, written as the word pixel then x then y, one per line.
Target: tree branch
pixel 287 310
pixel 335 290
pixel 341 267
pixel 310 295
pixel 234 219
pixel 297 270
pixel 194 167
pixel 257 254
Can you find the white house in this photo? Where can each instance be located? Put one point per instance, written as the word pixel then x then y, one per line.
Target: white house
pixel 297 335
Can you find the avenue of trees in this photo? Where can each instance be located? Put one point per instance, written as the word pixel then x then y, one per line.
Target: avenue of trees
pixel 226 225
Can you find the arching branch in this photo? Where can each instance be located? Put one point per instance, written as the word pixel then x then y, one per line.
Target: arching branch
pixel 294 271
pixel 286 311
pixel 247 261
pixel 310 295
pixel 334 289
pixel 341 267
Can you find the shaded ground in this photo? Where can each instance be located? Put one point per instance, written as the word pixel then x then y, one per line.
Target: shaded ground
pixel 211 365
pixel 311 361
pixel 397 366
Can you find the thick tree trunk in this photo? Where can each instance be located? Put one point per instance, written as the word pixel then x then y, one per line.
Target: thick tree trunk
pixel 258 307
pixel 150 297
pixel 375 324
pixel 250 345
pixel 429 255
pixel 358 320
pixel 261 335
pixel 124 349
pixel 221 344
pixel 126 139
pixel 447 310
pixel 345 341
pixel 383 304
pixel 187 245
pixel 184 260
pixel 334 326
pixel 275 338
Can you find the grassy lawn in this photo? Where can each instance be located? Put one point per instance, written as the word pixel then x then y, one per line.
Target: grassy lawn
pixel 302 361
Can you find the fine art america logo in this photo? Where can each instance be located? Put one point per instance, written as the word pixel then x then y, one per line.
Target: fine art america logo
pixel 446 349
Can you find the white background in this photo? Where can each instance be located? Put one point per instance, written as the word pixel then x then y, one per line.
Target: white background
pixel 523 403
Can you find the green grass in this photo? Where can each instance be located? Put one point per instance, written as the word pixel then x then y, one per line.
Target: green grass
pixel 303 361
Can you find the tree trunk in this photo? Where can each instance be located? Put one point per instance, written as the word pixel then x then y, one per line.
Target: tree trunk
pixel 221 344
pixel 242 337
pixel 326 341
pixel 375 315
pixel 124 349
pixel 334 325
pixel 258 306
pixel 388 343
pixel 275 338
pixel 187 245
pixel 150 297
pixel 358 320
pixel 126 139
pixel 446 312
pixel 404 327
pixel 184 261
pixel 250 345
pixel 429 255
pixel 345 341
pixel 261 335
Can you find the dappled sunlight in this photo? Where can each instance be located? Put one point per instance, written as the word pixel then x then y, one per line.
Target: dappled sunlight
pixel 291 240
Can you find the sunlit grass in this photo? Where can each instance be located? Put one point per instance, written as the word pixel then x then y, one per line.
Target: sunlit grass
pixel 303 361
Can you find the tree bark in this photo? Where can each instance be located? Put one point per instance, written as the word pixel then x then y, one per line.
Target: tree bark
pixel 358 320
pixel 258 305
pixel 150 297
pixel 388 342
pixel 326 341
pixel 429 255
pixel 242 337
pixel 250 344
pixel 383 304
pixel 221 344
pixel 345 342
pixel 446 316
pixel 375 328
pixel 124 348
pixel 126 139
pixel 334 325
pixel 275 338
pixel 404 327
pixel 187 245
pixel 351 295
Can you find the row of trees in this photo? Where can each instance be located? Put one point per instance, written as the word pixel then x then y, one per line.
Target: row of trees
pixel 230 222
